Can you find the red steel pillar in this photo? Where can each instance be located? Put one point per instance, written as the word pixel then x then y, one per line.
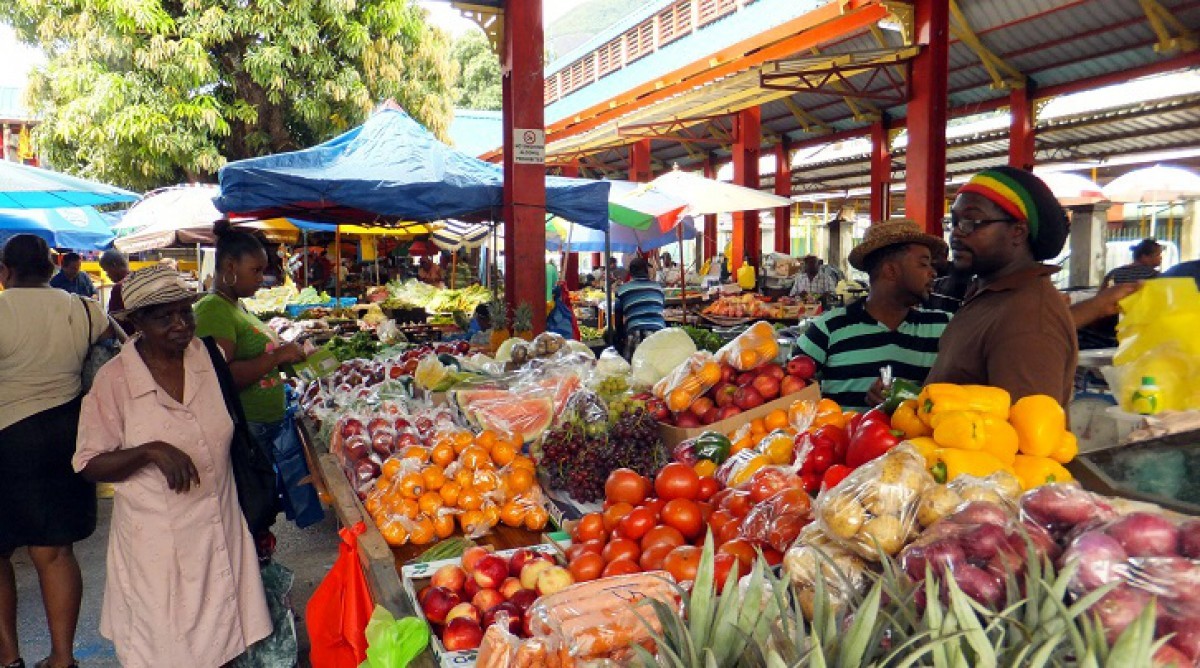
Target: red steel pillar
pixel 710 220
pixel 747 240
pixel 639 161
pixel 1021 128
pixel 524 209
pixel 783 188
pixel 925 168
pixel 881 171
pixel 570 268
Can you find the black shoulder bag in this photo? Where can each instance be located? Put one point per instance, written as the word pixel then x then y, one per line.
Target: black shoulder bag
pixel 253 470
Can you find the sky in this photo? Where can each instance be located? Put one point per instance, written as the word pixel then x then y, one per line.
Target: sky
pixel 440 14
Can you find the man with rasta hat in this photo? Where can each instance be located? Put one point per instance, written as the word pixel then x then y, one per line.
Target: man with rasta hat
pixel 1014 329
pixel 851 343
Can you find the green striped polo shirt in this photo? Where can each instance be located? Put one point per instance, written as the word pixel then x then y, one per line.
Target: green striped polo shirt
pixel 849 347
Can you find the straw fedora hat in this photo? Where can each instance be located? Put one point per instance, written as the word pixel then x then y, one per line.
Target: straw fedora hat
pixel 892 233
pixel 152 286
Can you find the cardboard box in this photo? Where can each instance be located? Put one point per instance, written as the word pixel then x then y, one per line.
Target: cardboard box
pixel 673 436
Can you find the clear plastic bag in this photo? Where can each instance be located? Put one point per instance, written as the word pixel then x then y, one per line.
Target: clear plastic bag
pixel 751 349
pixel 875 508
pixel 778 520
pixel 1001 488
pixel 691 379
pixel 1061 508
pixel 815 555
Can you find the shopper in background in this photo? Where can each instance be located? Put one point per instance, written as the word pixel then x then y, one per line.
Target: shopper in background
pixel 72 278
pixel 1147 258
pixel 1014 330
pixel 430 273
pixel 811 281
pixel 638 310
pixel 551 279
pixel 182 586
pixel 116 265
pixel 255 358
pixel 888 328
pixel 45 506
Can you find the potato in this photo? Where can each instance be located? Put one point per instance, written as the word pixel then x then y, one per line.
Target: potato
pixel 935 503
pixel 889 499
pixel 1006 484
pixel 843 516
pixel 980 493
pixel 886 531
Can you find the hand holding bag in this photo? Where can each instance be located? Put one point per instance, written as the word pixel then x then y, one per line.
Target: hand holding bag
pixel 253 470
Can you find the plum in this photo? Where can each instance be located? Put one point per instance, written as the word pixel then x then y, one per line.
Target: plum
pixel 940 555
pixel 1189 539
pixel 1119 608
pixel 1146 535
pixel 1187 634
pixel 984 541
pixel 1101 559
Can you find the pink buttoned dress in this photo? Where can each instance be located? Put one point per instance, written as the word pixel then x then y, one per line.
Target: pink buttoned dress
pixel 183 586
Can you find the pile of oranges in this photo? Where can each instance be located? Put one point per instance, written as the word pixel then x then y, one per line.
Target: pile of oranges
pixel 688 382
pixel 461 481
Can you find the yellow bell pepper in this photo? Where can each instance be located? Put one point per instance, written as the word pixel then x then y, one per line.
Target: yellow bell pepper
pixel 949 463
pixel 1037 471
pixel 1067 449
pixel 905 420
pixel 999 439
pixel 1040 422
pixel 927 447
pixel 958 429
pixel 944 398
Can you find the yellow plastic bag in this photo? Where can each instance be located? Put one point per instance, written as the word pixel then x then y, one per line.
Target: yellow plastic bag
pixel 1157 340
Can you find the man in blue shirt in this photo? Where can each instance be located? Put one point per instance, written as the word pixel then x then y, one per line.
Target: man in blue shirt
pixel 72 279
pixel 639 307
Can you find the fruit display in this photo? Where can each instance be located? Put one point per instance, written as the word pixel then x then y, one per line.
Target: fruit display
pixel 746 305
pixel 751 349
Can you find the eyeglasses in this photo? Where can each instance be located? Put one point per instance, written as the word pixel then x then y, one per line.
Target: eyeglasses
pixel 968 225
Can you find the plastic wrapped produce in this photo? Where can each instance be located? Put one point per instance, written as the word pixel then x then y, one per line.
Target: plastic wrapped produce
pixel 779 519
pixel 938 501
pixel 691 379
pixel 1061 507
pixel 875 508
pixel 659 355
pixel 751 349
pixel 815 555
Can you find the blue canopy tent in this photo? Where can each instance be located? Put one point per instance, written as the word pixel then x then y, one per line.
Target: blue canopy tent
pixel 25 187
pixel 392 168
pixel 77 228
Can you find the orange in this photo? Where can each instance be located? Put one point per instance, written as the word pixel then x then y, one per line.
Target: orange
pixel 391 468
pixel 434 477
pixel 519 480
pixel 758 426
pixel 449 493
pixel 472 457
pixel 491 514
pixel 740 444
pixel 465 477
pixel 471 521
pixel 374 504
pixel 710 373
pixel 412 485
pixel 513 514
pixel 515 439
pixel 486 481
pixel 678 400
pixel 443 525
pixel 536 518
pixel 462 440
pixel 422 531
pixel 469 499
pixel 443 454
pixel 394 533
pixel 705 467
pixel 486 439
pixel 409 508
pixel 392 500
pixel 430 503
pixel 418 452
pixel 776 419
pixel 383 483
pixel 523 462
pixel 747 358
pixel 503 453
pixel 826 406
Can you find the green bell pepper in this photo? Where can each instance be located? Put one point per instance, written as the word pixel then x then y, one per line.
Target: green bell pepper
pixel 900 391
pixel 712 446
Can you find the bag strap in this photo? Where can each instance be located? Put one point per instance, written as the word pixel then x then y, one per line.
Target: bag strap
pixel 88 312
pixel 225 379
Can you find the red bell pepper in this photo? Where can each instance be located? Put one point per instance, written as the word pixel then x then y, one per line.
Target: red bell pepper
pixel 836 437
pixel 834 475
pixel 875 415
pixel 812 482
pixel 871 440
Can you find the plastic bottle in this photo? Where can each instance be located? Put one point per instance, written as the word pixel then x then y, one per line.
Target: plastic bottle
pixel 1147 399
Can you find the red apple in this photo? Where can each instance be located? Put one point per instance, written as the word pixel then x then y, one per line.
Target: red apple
pixel 723 394
pixel 531 571
pixel 791 385
pixel 745 378
pixel 747 398
pixel 405 439
pixel 687 420
pixel 767 386
pixel 356 448
pixel 511 586
pixel 773 370
pixel 461 635
pixel 505 612
pixel 728 412
pixel 710 416
pixel 471 556
pixel 464 611
pixel 490 572
pixel 802 367
pixel 438 604
pixel 351 427
pixel 378 423
pixel 728 373
pixel 449 576
pixel 470 588
pixel 523 599
pixel 521 557
pixel 487 599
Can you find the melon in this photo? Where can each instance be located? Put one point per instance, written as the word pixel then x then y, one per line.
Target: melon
pixel 561 388
pixel 528 417
pixel 463 398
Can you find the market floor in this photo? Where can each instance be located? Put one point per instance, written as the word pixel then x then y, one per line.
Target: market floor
pixel 308 552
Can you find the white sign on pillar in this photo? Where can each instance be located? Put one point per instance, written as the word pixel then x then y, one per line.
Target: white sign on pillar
pixel 529 146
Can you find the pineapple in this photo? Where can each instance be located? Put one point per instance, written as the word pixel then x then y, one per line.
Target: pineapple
pixel 500 333
pixel 523 321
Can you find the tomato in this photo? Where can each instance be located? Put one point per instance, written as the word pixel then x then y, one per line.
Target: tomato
pixel 741 549
pixel 728 532
pixel 655 504
pixel 621 567
pixel 785 529
pixel 622 548
pixel 662 535
pixel 590 527
pixel 683 562
pixel 587 567
pixel 720 497
pixel 766 482
pixel 614 513
pixel 588 546
pixel 719 519
pixel 625 485
pixel 636 524
pixel 677 481
pixel 738 503
pixel 706 511
pixel 708 487
pixel 791 502
pixel 772 556
pixel 685 515
pixel 722 565
pixel 652 557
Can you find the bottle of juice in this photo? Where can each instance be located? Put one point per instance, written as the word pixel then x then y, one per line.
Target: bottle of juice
pixel 1147 399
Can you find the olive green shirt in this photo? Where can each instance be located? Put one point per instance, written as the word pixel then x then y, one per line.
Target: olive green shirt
pixel 264 399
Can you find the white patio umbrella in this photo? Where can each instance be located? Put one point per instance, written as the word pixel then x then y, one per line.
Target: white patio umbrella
pixel 181 207
pixel 708 196
pixel 1072 189
pixel 1154 184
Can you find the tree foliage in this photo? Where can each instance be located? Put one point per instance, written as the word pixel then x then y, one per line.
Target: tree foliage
pixel 144 93
pixel 478 73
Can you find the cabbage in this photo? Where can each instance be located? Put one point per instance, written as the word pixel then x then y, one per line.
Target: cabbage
pixel 504 352
pixel 659 354
pixel 574 346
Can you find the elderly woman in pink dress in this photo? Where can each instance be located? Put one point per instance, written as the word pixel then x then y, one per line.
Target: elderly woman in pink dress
pixel 183 586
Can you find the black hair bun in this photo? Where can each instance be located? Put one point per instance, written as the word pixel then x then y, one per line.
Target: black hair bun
pixel 223 227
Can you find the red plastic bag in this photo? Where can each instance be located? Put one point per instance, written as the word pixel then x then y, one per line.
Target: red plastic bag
pixel 340 608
